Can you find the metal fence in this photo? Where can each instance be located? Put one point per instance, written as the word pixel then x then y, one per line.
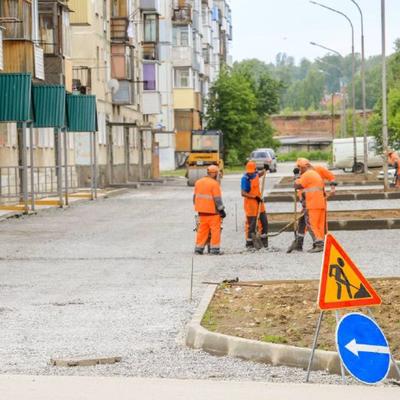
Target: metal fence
pixel 43 181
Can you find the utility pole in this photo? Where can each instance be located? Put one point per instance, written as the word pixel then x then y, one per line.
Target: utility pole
pixel 333 116
pixel 352 76
pixel 384 98
pixel 363 89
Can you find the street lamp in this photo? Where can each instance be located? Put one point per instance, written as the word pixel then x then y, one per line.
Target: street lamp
pixel 342 85
pixel 363 89
pixel 352 75
pixel 384 98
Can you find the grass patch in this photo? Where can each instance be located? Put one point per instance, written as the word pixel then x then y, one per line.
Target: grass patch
pixel 174 173
pixel 310 155
pixel 234 169
pixel 273 339
pixel 208 321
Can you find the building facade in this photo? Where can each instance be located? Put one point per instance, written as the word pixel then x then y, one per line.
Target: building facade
pixel 202 31
pixel 150 64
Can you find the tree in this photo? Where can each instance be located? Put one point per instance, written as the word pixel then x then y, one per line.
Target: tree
pixel 238 107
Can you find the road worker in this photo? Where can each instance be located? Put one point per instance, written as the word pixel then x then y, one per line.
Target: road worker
pixel 394 160
pixel 250 187
pixel 207 200
pixel 328 177
pixel 313 199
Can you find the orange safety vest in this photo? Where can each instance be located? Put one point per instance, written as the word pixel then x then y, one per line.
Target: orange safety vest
pixel 324 173
pixel 207 196
pixel 313 188
pixel 251 205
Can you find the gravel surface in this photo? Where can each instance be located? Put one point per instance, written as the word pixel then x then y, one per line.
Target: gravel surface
pixel 111 278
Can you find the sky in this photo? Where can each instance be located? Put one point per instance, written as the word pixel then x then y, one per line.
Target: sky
pixel 263 28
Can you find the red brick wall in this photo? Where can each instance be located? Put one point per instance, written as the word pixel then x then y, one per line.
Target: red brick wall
pixel 305 126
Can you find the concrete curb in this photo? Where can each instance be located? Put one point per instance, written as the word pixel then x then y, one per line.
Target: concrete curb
pixel 349 225
pixel 285 185
pixel 288 198
pixel 197 337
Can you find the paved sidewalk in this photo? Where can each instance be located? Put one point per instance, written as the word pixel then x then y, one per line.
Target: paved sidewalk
pixel 24 387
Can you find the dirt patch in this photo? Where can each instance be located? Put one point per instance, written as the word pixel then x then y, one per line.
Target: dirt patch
pixel 286 312
pixel 343 178
pixel 344 215
pixel 340 192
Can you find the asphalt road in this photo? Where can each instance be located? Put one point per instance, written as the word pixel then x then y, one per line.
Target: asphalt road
pixel 111 278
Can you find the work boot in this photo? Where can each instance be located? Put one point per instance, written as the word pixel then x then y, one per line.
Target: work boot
pixel 199 251
pixel 249 244
pixel 318 247
pixel 297 245
pixel 215 252
pixel 264 241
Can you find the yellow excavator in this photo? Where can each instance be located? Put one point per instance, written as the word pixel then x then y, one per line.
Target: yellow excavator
pixel 206 149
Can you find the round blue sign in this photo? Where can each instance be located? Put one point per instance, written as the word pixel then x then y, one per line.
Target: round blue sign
pixel 363 348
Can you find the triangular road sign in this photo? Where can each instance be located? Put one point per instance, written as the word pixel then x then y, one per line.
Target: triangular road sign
pixel 342 285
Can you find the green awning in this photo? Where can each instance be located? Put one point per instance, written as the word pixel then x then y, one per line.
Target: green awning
pixel 81 113
pixel 15 97
pixel 49 106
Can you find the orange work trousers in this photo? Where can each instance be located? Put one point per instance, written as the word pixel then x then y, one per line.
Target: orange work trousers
pixel 316 223
pixel 209 225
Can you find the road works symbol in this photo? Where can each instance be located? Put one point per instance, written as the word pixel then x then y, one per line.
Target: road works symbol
pixel 363 348
pixel 342 285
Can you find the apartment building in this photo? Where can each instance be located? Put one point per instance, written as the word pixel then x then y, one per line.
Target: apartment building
pixel 149 63
pixel 33 32
pixel 202 30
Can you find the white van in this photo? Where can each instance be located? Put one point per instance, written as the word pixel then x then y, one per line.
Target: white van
pixel 343 153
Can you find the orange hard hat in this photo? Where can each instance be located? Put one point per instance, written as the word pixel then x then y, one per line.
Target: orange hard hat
pixel 251 167
pixel 212 169
pixel 303 163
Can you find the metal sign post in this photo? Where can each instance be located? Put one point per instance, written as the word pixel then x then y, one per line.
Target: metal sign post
pixel 91 166
pixel 315 342
pixel 95 164
pixel 24 169
pixel 66 199
pixel 57 135
pixel 31 159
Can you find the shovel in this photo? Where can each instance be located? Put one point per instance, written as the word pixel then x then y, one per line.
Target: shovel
pixel 256 236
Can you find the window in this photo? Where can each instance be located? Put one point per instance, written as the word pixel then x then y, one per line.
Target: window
pixel 150 28
pixel 181 36
pixel 149 76
pixel 182 77
pixel 22 10
pixel 66 34
pixel 47 32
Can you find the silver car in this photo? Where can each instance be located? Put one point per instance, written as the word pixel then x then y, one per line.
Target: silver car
pixel 264 156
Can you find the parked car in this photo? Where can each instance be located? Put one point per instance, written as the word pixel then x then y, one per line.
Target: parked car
pixel 343 154
pixel 264 156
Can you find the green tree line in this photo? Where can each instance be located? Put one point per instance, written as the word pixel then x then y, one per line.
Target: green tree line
pixel 243 97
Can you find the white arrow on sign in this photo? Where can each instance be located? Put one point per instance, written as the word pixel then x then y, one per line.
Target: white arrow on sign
pixel 356 348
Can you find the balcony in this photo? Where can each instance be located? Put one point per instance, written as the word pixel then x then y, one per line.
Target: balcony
pixel 151 103
pixel 121 62
pixel 23 56
pixel 150 51
pixel 119 29
pixel 182 13
pixel 182 56
pixel 150 5
pixel 125 94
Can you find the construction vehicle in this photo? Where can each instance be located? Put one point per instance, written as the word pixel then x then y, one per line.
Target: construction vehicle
pixel 206 149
